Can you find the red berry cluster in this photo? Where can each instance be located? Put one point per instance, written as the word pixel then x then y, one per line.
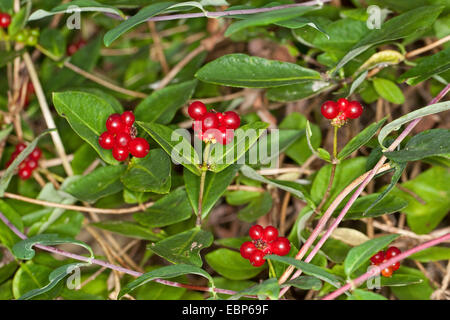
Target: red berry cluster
pixel 121 137
pixel 74 47
pixel 382 256
pixel 265 241
pixel 5 20
pixel 213 126
pixel 341 110
pixel 27 166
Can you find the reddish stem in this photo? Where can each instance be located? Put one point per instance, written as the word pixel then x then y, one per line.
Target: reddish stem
pixel 375 271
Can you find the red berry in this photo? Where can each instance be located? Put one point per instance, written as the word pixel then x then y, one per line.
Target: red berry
pixel 5 20
pixel 31 163
pixel 392 252
pixel 256 232
pixel 270 234
pixel 128 118
pixel 395 266
pixel 81 43
pixel 387 272
pixel 25 173
pixel 231 120
pixel 377 258
pixel 122 139
pixel 342 104
pixel 120 153
pixel 106 140
pixel 329 109
pixel 281 246
pixel 247 248
pixel 20 147
pixel 71 49
pixel 257 258
pixel 197 110
pixel 114 123
pixel 267 249
pixel 354 110
pixel 197 126
pixel 220 116
pixel 224 136
pixel 36 154
pixel 139 147
pixel 209 121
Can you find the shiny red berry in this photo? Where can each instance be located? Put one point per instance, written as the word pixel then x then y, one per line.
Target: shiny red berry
pixel 128 118
pixel 122 139
pixel 256 232
pixel 197 110
pixel 224 136
pixel 209 121
pixel 270 234
pixel 231 120
pixel 354 110
pixel 377 258
pixel 106 140
pixel 395 266
pixel 20 147
pixel 31 163
pixel 120 153
pixel 25 173
pixel 139 147
pixel 5 20
pixel 342 104
pixel 220 116
pixel 329 109
pixel 36 154
pixel 281 246
pixel 257 258
pixel 392 252
pixel 115 124
pixel 387 272
pixel 247 248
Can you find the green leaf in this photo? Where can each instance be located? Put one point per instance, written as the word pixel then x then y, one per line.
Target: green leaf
pixel 231 265
pixel 320 153
pixel 308 269
pixel 100 183
pixel 55 278
pixel 8 56
pixel 360 139
pixel 83 6
pixel 422 112
pixel 413 21
pixel 7 270
pixel 168 210
pixel 19 20
pixel 427 67
pixel 140 17
pixel 432 254
pixel 184 247
pixel 266 18
pixel 267 289
pixel 240 70
pixel 24 249
pixel 162 105
pixel 31 276
pixel 419 291
pixel 299 91
pixel 256 208
pixel 129 229
pixel 304 283
pixel 388 90
pixel 53 41
pixel 9 172
pixel 425 144
pixel 179 151
pixel 7 237
pixel 87 114
pixel 359 294
pixel 431 187
pixel 149 174
pixel 400 280
pixel 357 82
pixel 215 186
pixel 166 272
pixel 369 206
pixel 245 137
pixel 292 187
pixel 361 254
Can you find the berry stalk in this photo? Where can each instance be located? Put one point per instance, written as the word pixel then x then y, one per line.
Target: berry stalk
pixel 202 183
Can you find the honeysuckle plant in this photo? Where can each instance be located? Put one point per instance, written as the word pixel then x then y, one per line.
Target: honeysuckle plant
pixel 224 150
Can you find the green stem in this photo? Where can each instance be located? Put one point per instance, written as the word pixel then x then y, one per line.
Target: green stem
pixel 272 273
pixel 204 169
pixel 336 128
